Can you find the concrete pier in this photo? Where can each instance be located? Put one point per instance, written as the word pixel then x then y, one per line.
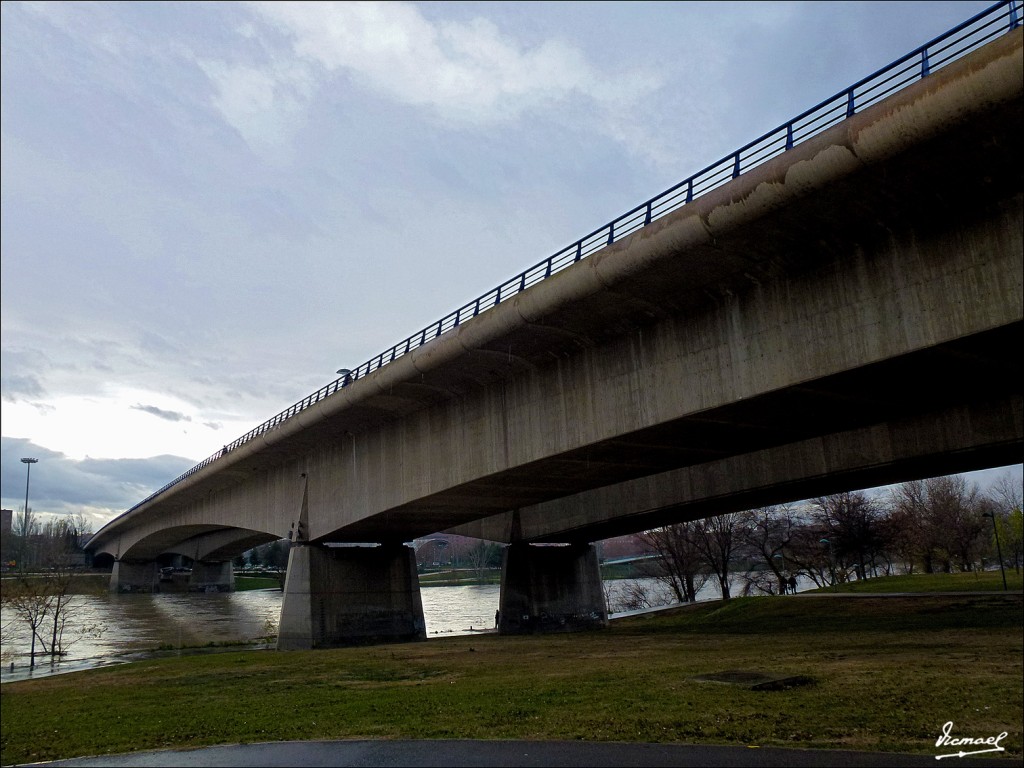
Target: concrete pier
pixel 350 596
pixel 212 577
pixel 550 589
pixel 130 576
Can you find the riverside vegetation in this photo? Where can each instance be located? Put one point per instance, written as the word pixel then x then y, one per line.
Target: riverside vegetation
pixel 874 673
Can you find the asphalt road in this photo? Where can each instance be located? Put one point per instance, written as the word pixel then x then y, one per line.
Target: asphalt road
pixel 451 754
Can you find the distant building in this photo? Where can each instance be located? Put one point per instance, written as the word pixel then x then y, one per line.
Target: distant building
pixel 6 545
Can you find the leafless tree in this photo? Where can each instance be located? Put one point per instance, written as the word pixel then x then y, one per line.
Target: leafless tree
pixel 716 542
pixel 45 601
pixel 938 522
pixel 853 528
pixel 766 534
pixel 678 562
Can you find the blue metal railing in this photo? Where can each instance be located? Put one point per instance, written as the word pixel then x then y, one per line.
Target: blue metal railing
pixel 916 65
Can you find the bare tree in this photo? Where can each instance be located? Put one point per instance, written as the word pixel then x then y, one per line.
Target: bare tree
pixel 938 522
pixel 45 601
pixel 955 510
pixel 716 541
pixel 678 562
pixel 766 534
pixel 809 553
pixel 853 530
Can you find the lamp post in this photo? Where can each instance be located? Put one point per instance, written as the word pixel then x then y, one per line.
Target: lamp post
pixel 27 525
pixel 999 550
pixel 346 374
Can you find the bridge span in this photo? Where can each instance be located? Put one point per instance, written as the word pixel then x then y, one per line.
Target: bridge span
pixel 845 312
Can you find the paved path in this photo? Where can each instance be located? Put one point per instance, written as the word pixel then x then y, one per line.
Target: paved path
pixel 451 754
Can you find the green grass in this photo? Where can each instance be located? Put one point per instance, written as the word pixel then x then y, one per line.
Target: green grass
pixel 935 582
pixel 887 673
pixel 246 583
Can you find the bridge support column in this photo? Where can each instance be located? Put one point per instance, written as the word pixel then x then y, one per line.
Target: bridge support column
pixel 134 577
pixel 212 577
pixel 550 589
pixel 350 596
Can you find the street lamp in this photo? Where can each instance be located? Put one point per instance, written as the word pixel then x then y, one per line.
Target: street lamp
pixel 28 519
pixel 999 550
pixel 345 372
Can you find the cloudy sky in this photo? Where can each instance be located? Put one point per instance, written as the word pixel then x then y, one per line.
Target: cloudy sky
pixel 208 208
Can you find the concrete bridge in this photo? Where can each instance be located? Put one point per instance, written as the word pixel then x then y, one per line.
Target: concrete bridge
pixel 845 313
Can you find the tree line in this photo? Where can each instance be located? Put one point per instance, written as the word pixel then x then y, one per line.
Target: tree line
pixel 941 524
pixel 39 593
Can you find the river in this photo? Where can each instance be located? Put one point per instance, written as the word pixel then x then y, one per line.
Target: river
pixel 114 628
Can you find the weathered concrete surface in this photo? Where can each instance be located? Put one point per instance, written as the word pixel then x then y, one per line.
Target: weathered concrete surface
pixel 924 445
pixel 794 303
pixel 550 589
pixel 350 595
pixel 212 577
pixel 134 577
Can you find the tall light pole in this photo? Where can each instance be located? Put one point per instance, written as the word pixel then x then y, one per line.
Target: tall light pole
pixel 27 528
pixel 999 550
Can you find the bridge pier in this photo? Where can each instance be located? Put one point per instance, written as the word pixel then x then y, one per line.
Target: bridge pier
pixel 350 596
pixel 130 576
pixel 551 589
pixel 212 577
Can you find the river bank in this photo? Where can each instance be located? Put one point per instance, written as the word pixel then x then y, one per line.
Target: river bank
pixel 871 673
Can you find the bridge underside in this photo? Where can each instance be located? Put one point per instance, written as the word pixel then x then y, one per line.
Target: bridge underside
pixel 907 398
pixel 845 315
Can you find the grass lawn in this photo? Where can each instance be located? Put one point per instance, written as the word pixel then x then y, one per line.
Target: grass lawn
pixel 878 674
pixel 246 583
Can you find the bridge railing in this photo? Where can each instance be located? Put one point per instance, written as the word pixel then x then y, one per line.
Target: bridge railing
pixel 962 39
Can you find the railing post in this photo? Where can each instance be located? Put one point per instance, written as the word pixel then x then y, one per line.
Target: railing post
pixel 1014 20
pixel 736 166
pixel 579 250
pixel 611 233
pixel 647 216
pixel 689 190
pixel 789 136
pixel 849 103
pixel 924 63
pixel 497 297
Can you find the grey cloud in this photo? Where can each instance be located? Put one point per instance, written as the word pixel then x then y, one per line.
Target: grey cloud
pixel 61 485
pixel 15 388
pixel 160 413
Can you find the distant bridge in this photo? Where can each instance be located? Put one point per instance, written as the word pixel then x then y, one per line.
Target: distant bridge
pixel 835 305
